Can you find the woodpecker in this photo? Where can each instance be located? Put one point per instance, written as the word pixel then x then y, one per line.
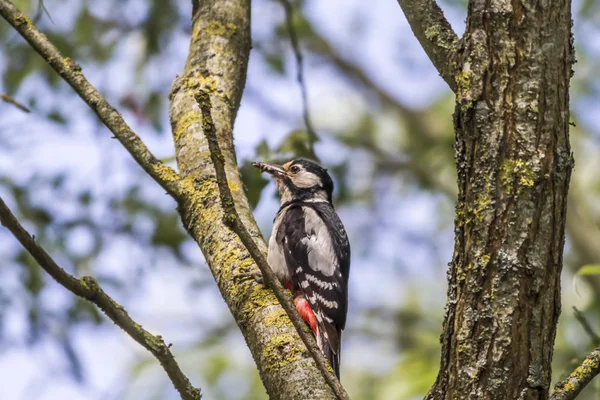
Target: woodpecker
pixel 309 251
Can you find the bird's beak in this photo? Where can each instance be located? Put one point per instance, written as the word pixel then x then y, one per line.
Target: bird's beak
pixel 274 170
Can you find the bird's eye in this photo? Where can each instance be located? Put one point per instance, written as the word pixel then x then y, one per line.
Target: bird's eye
pixel 294 168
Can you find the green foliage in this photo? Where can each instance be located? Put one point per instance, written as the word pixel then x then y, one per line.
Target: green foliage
pixel 254 182
pixel 591 269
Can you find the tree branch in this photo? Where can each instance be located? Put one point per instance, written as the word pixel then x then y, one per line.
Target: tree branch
pixel 289 18
pixel 71 72
pixel 587 327
pixel 7 99
pixel 435 34
pixel 217 63
pixel 233 221
pixel 579 378
pixel 89 289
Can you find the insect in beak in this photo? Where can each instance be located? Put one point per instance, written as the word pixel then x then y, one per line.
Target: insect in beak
pixel 274 170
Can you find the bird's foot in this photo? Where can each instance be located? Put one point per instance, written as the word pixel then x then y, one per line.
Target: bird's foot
pixel 256 275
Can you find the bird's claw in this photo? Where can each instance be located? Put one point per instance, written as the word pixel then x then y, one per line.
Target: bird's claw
pixel 256 275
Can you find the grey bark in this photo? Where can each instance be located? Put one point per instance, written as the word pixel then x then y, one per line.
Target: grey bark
pixel 514 164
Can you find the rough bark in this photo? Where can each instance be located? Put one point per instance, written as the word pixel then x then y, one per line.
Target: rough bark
pixel 514 164
pixel 217 62
pixel 435 34
pixel 570 388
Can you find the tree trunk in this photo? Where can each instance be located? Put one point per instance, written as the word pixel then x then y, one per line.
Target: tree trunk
pixel 217 63
pixel 514 163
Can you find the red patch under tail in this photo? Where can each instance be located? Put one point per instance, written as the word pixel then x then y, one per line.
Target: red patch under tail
pixel 306 313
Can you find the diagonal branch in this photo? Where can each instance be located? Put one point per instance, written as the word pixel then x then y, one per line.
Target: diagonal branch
pixel 579 378
pixel 7 99
pixel 88 288
pixel 233 221
pixel 71 72
pixel 587 327
pixel 435 34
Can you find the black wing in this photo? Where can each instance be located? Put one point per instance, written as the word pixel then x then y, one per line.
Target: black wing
pixel 317 254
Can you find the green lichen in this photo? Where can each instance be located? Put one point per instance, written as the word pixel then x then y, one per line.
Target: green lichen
pixel 518 173
pixel 281 350
pixel 482 202
pixel 462 347
pixel 485 259
pixel 432 32
pixel 259 298
pixel 197 81
pixel 475 211
pixel 435 34
pixel 463 84
pixel 23 20
pixel 220 29
pixel 71 65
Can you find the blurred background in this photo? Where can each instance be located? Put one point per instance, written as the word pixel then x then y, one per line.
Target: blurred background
pixel 383 117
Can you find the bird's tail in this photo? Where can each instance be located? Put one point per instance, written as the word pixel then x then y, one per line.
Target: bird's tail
pixel 330 346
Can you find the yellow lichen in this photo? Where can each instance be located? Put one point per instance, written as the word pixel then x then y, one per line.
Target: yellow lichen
pixel 188 119
pixel 22 20
pixel 485 259
pixel 278 318
pixel 568 386
pixel 259 299
pixel 70 64
pixel 220 29
pixel 281 351
pixel 463 83
pixel 197 81
pixel 432 32
pixel 517 171
pixel 165 173
pixel 233 186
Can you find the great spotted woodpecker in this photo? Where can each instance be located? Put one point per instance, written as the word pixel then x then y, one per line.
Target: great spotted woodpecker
pixel 310 252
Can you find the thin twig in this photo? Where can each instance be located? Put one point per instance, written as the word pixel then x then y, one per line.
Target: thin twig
pixel 71 72
pixel 6 98
pixel 89 289
pixel 433 31
pixel 587 327
pixel 289 18
pixel 233 221
pixel 579 378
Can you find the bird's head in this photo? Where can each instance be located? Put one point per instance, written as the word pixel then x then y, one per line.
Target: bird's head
pixel 300 179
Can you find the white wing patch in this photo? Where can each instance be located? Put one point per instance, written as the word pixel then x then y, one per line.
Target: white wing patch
pixel 321 256
pixel 327 303
pixel 320 283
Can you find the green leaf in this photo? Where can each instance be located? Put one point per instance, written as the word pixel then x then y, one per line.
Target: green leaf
pixel 590 269
pixel 57 117
pixel 253 181
pixel 297 144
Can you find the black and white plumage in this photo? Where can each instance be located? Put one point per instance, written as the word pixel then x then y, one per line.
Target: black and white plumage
pixel 310 252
